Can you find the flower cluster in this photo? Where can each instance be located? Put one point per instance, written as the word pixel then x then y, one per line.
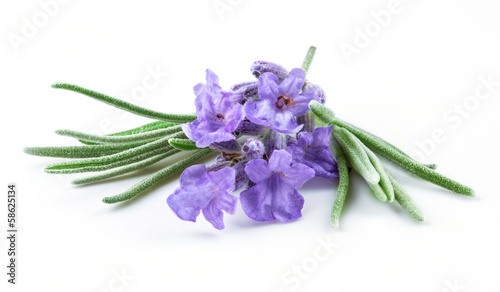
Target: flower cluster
pixel 266 152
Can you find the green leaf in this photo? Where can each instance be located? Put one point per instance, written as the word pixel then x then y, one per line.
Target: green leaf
pixel 126 105
pixel 158 144
pixel 156 177
pixel 384 183
pixel 323 113
pixel 381 141
pixel 343 187
pixel 183 144
pixel 407 163
pixel 356 155
pixel 80 151
pixel 114 164
pixel 406 201
pixel 126 169
pixel 151 135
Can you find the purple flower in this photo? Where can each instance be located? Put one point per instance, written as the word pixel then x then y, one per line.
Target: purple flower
pixel 217 114
pixel 274 195
pixel 280 103
pixel 205 191
pixel 312 149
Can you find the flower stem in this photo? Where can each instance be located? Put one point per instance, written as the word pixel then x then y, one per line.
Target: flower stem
pixel 126 105
pixel 126 169
pixel 343 187
pixel 306 64
pixel 156 177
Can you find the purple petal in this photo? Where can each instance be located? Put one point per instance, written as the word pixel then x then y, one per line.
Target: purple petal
pixel 259 112
pixel 257 170
pixel 213 212
pixel 298 174
pixel 301 102
pixel 212 137
pixel 234 116
pixel 256 202
pixel 180 203
pixel 224 178
pixel 322 136
pixel 293 83
pixel 280 161
pixel 284 122
pixel 272 201
pixel 268 87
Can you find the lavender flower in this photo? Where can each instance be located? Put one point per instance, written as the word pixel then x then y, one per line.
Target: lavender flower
pixel 312 149
pixel 217 114
pixel 205 191
pixel 279 103
pixel 274 195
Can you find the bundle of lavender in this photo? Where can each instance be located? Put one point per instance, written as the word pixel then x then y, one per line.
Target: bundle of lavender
pixel 271 135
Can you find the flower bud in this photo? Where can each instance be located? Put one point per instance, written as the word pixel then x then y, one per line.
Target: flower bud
pixel 260 67
pixel 253 149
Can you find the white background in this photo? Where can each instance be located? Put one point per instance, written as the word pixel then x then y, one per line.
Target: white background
pixel 403 83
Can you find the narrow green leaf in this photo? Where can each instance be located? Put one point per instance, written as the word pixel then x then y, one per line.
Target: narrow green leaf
pixel 406 201
pixel 384 183
pixel 183 144
pixel 156 177
pixel 126 105
pixel 142 129
pixel 408 164
pixel 383 142
pixel 323 113
pixel 80 151
pixel 126 169
pixel 161 143
pixel 359 159
pixel 343 187
pixel 151 135
pixel 115 164
pixel 356 155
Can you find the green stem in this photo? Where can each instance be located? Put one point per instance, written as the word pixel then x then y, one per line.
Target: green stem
pixel 343 187
pixel 156 177
pixel 126 105
pixel 126 169
pixel 306 64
